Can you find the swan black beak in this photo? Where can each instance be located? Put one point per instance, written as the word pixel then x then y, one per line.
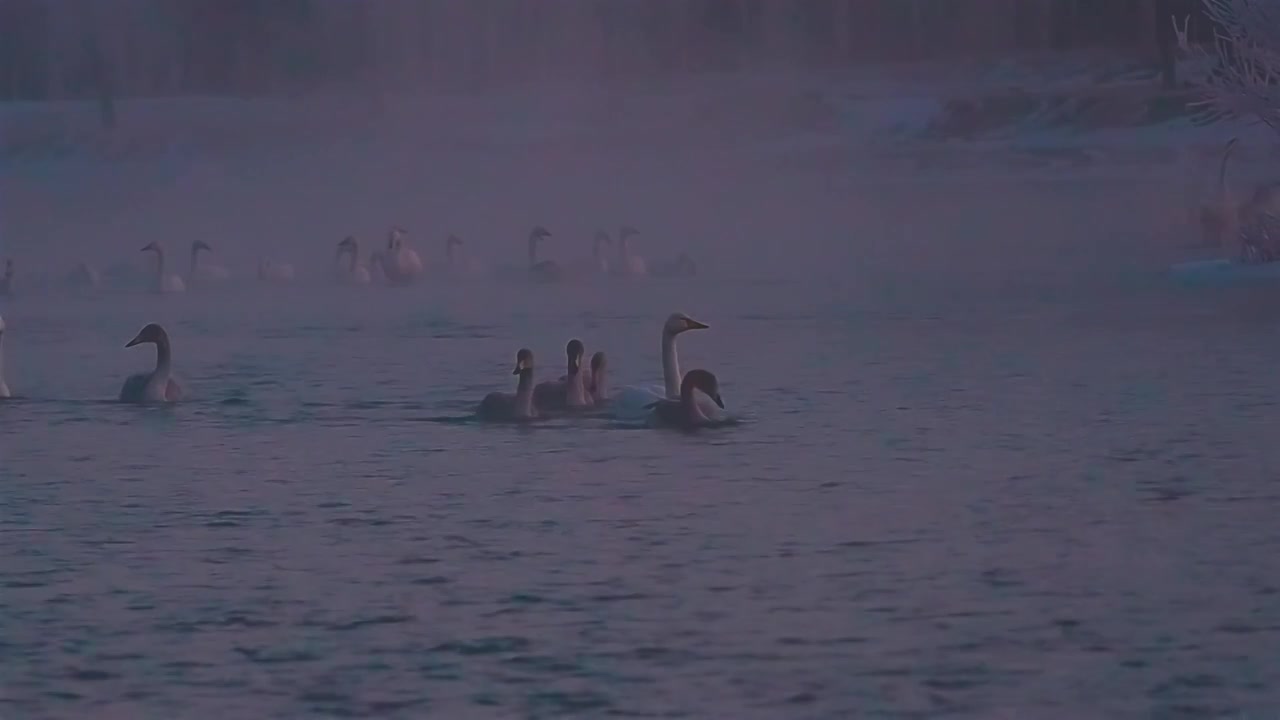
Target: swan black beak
pixel 133 342
pixel 695 325
pixel 718 401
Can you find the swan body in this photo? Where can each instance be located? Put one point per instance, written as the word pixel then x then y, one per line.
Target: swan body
pixel 569 393
pixel 4 388
pixel 164 282
pixel 400 265
pixel 632 399
pixel 545 270
pixel 353 273
pixel 518 407
pixel 6 280
pixel 157 386
pixel 685 412
pixel 204 272
pixel 629 264
pixel 274 272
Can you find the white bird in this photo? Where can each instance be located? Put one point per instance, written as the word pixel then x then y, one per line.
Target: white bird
pixel 685 412
pixel 163 282
pixel 570 392
pixel 504 406
pixel 274 272
pixel 157 385
pixel 4 388
pixel 629 264
pixel 633 399
pixel 204 271
pixel 545 270
pixel 400 265
pixel 353 272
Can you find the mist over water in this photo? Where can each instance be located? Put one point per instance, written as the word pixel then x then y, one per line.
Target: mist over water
pixel 988 459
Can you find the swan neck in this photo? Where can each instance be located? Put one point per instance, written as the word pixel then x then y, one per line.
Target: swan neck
pixel 576 392
pixel 533 251
pixel 670 366
pixel 164 358
pixel 524 393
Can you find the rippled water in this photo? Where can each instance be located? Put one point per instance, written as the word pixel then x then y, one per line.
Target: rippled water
pixel 1043 490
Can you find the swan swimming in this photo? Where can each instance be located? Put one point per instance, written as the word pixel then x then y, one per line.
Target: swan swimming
pixel 400 265
pixel 597 381
pixel 204 271
pixel 629 264
pixel 546 270
pixel 632 399
pixel 4 388
pixel 504 406
pixel 569 393
pixel 164 282
pixel 685 412
pixel 157 385
pixel 354 273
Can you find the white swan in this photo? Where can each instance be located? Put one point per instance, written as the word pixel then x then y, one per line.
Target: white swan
pixel 274 272
pixel 569 393
pixel 632 400
pixel 685 412
pixel 157 385
pixel 6 280
pixel 4 388
pixel 597 380
pixel 545 270
pixel 204 271
pixel 353 272
pixel 629 264
pixel 504 406
pixel 163 282
pixel 400 265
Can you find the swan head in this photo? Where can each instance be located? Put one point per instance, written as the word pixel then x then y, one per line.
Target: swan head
pixel 524 361
pixel 152 247
pixel 199 245
pixel 395 236
pixel 8 267
pixel 679 322
pixel 626 231
pixel 598 362
pixel 151 333
pixel 701 380
pixel 575 351
pixel 538 233
pixel 348 244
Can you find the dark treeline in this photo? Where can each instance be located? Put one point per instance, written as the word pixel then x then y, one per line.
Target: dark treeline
pixel 53 49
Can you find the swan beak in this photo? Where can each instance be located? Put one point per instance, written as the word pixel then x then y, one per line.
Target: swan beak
pixel 695 325
pixel 135 341
pixel 718 401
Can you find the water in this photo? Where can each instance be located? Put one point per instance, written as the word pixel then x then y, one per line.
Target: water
pixel 1049 499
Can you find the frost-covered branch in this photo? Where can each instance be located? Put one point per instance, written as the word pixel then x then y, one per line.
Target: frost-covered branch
pixel 1245 81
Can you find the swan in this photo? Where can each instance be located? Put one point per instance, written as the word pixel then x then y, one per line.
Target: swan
pixel 569 393
pixel 6 280
pixel 456 264
pixel 400 265
pixel 597 385
pixel 4 388
pixel 503 406
pixel 686 412
pixel 204 271
pixel 632 399
pixel 629 264
pixel 354 273
pixel 84 276
pixel 600 263
pixel 271 271
pixel 164 282
pixel 681 266
pixel 546 270
pixel 157 385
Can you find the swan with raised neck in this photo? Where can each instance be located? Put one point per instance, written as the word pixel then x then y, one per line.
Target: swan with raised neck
pixel 164 283
pixel 685 411
pixel 570 393
pixel 505 406
pixel 157 385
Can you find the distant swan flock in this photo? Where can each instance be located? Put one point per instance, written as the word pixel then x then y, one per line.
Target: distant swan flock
pixel 684 401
